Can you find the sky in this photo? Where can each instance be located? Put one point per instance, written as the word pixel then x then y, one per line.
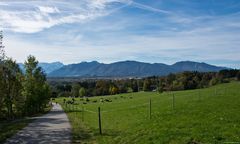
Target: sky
pixel 155 31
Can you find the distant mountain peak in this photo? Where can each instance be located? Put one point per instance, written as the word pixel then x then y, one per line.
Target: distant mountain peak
pixel 47 67
pixel 186 62
pixel 89 62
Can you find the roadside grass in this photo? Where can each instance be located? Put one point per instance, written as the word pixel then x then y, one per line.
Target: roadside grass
pixel 209 115
pixel 9 128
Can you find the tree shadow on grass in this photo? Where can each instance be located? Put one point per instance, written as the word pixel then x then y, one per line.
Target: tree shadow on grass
pixel 82 134
pixel 109 132
pixel 86 135
pixel 9 128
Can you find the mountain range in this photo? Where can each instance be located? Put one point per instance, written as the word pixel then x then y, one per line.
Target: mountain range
pixel 47 67
pixel 124 69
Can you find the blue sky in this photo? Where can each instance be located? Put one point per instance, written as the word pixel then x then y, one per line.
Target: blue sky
pixel 162 31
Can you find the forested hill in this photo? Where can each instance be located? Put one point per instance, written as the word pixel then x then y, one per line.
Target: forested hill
pixel 129 69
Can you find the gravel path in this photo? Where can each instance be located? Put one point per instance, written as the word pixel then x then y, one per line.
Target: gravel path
pixel 51 128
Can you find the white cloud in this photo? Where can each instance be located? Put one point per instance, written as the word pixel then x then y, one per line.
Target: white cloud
pixel 3 4
pixel 34 16
pixel 181 46
pixel 148 8
pixel 48 10
pixel 200 38
pixel 39 16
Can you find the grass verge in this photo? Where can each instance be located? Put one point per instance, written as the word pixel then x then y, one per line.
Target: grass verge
pixel 9 128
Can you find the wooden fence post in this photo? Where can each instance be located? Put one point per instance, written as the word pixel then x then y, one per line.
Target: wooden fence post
pixel 150 108
pixel 215 91
pixel 173 101
pixel 82 113
pixel 225 92
pixel 199 98
pixel 99 121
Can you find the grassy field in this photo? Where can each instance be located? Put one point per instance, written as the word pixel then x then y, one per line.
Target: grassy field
pixel 208 115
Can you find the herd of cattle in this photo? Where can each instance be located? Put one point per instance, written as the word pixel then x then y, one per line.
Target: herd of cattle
pixel 87 100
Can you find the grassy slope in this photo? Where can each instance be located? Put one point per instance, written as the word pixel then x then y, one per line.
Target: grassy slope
pixel 199 116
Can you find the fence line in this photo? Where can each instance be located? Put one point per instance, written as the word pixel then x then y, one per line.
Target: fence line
pixel 90 111
pixel 132 107
pixel 75 107
pixel 197 95
pixel 70 107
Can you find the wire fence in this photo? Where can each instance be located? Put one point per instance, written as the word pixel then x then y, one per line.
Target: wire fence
pixel 109 118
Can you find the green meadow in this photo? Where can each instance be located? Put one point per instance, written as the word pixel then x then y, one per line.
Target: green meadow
pixel 209 115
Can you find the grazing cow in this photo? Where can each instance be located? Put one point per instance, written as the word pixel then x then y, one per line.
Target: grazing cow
pixel 107 100
pixel 69 102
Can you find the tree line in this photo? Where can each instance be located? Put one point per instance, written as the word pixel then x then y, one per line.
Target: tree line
pixel 21 93
pixel 172 82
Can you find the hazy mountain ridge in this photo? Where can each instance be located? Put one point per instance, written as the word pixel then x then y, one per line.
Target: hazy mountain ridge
pixel 47 67
pixel 129 69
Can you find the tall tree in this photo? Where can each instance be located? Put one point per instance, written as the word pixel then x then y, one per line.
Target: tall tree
pixel 134 85
pixel 12 85
pixel 35 89
pixel 82 92
pixel 75 90
pixel 147 85
pixel 238 75
pixel 1 75
pixel 113 90
pixel 2 94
